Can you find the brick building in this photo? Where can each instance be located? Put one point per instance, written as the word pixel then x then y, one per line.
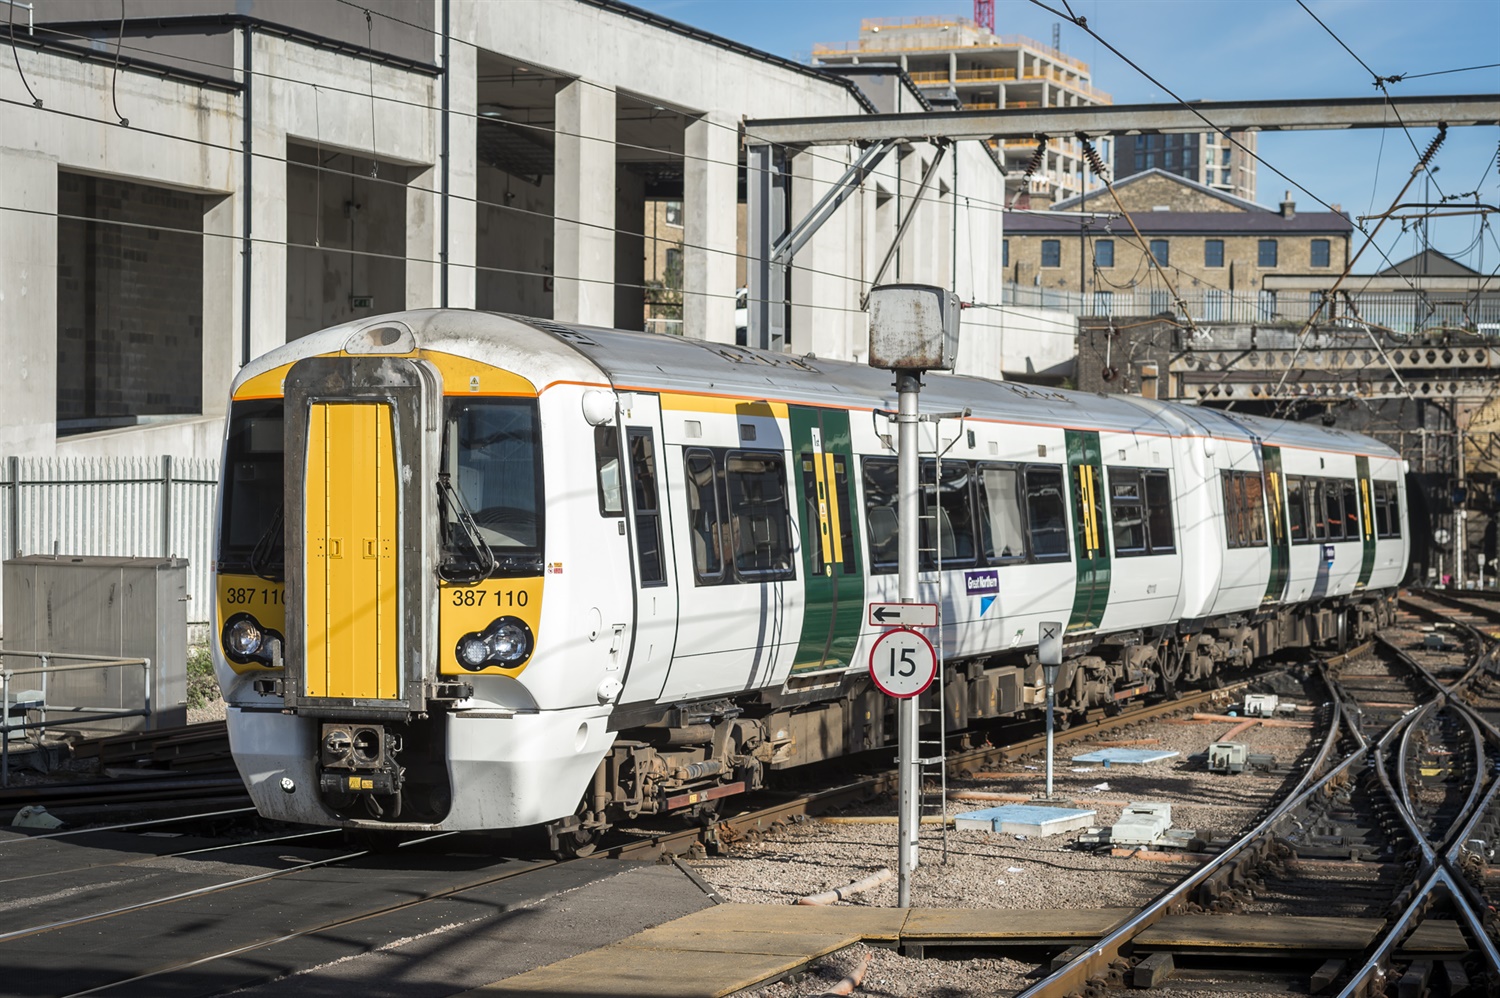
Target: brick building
pixel 1217 249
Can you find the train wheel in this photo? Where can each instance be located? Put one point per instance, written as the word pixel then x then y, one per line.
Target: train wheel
pixel 569 839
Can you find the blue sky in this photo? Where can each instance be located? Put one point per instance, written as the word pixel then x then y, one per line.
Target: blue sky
pixel 1237 50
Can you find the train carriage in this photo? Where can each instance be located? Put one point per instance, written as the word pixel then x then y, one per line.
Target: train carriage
pixel 479 571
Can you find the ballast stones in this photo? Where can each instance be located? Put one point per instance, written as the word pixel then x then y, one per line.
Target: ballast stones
pixel 1125 756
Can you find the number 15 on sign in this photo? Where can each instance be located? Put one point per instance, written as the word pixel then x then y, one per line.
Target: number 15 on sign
pixel 902 663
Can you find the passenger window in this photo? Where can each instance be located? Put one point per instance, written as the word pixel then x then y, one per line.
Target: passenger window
pixel 1315 511
pixel 1352 529
pixel 705 525
pixel 1244 509
pixel 1161 534
pixel 1127 511
pixel 607 465
pixel 1333 509
pixel 1046 511
pixel 759 516
pixel 883 521
pixel 1296 512
pixel 647 512
pixel 1002 528
pixel 952 514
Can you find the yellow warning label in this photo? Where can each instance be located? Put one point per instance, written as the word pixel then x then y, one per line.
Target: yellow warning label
pixel 353 783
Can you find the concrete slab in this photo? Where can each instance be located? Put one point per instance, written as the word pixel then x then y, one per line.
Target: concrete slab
pixel 1025 819
pixel 1125 756
pixel 876 925
pixel 620 972
pixel 1018 925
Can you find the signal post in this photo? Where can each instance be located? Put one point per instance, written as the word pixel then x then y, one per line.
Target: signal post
pixel 913 328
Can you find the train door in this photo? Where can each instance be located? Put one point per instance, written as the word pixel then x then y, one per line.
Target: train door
pixel 834 586
pixel 1366 521
pixel 1091 595
pixel 741 599
pixel 650 643
pixel 1281 553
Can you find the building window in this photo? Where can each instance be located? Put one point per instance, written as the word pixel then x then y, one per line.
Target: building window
pixel 1140 141
pixel 1150 160
pixel 1140 160
pixel 1213 252
pixel 1169 158
pixel 1266 254
pixel 672 214
pixel 1160 251
pixel 674 260
pixel 1225 155
pixel 1320 252
pixel 1005 252
pixel 1104 253
pixel 1051 253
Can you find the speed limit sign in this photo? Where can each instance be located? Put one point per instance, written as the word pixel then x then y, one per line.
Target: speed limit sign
pixel 902 663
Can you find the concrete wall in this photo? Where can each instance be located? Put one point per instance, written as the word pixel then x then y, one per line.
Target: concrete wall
pixel 322 230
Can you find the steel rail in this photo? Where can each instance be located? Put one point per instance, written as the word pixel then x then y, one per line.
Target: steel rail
pixel 1095 961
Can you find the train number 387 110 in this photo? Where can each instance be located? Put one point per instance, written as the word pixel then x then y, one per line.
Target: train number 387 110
pixel 498 597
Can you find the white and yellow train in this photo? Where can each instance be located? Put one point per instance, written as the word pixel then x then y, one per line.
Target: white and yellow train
pixel 478 571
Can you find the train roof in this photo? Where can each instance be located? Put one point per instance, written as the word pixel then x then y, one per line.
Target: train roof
pixel 548 352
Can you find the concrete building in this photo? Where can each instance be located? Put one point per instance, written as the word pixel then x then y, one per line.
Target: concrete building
pixel 952 57
pixel 1224 162
pixel 214 179
pixel 1222 254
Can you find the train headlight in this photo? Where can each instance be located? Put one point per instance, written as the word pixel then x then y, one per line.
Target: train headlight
pixel 243 636
pixel 506 643
pixel 246 641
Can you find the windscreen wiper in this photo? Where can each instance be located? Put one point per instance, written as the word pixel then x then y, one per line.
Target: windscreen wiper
pixel 480 559
pixel 268 557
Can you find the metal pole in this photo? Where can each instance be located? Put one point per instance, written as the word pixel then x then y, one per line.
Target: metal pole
pixel 908 384
pixel 1050 693
pixel 1460 525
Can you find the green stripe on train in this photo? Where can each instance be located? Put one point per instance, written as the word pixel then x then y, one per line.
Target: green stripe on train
pixel 822 480
pixel 1090 530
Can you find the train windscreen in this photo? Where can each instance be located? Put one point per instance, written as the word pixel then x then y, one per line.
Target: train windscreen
pixel 250 534
pixel 492 457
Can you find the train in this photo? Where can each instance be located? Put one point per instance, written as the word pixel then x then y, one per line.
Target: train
pixel 480 571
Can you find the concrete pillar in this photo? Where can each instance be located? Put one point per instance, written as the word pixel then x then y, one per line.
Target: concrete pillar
pixel 952 69
pixel 710 228
pixel 28 301
pixel 819 319
pixel 424 239
pixel 584 221
pixel 463 183
pixel 221 303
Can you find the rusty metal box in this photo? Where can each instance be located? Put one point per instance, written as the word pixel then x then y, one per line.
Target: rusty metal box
pixel 913 327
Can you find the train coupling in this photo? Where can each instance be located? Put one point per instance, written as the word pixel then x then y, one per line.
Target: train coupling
pixel 358 759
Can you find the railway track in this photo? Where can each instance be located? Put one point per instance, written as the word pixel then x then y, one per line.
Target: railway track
pixel 1380 849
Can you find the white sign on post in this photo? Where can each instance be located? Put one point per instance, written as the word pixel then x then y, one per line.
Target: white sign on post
pixel 903 614
pixel 902 663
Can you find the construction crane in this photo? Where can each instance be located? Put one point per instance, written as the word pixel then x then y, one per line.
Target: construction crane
pixel 984 14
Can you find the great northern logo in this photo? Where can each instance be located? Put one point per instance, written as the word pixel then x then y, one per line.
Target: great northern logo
pixel 982 583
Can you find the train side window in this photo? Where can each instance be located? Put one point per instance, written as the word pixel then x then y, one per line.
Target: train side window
pixel 1161 535
pixel 881 516
pixel 706 530
pixel 952 514
pixel 1317 523
pixel 1127 512
pixel 607 465
pixel 1002 526
pixel 840 505
pixel 1333 509
pixel 1046 512
pixel 1296 511
pixel 1352 529
pixel 759 516
pixel 1387 510
pixel 647 511
pixel 1244 509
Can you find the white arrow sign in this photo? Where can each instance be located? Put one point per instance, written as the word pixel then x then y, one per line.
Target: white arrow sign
pixel 902 663
pixel 903 614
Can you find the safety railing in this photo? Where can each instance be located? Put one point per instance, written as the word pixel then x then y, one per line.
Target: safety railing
pixel 23 700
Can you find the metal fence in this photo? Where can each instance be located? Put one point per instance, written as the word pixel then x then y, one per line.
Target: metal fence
pixel 1400 311
pixel 124 507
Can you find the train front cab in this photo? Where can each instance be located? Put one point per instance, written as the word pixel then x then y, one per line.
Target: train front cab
pixel 381 591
